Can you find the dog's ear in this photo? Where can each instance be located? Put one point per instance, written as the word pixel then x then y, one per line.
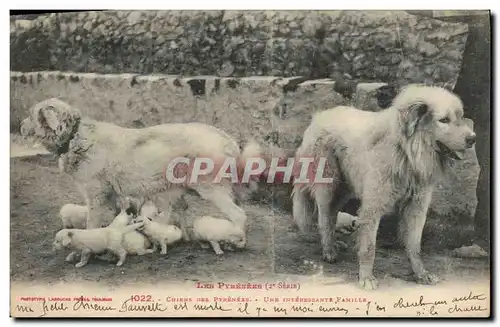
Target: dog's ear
pixel 385 94
pixel 130 211
pixel 26 127
pixel 47 116
pixel 416 114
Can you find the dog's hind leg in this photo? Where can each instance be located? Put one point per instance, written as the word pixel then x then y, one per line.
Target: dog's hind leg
pixel 411 228
pixel 302 209
pixel 323 194
pixel 222 198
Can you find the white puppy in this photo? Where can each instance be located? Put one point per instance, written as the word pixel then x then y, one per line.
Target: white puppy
pixel 215 230
pixel 133 241
pixel 74 216
pixel 149 209
pixel 159 233
pixel 97 240
pixel 346 223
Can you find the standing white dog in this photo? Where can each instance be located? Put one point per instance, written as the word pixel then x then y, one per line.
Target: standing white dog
pixel 390 160
pixel 105 159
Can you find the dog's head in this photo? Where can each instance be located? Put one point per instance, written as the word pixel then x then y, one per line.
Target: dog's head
pixel 435 114
pixel 53 123
pixel 62 239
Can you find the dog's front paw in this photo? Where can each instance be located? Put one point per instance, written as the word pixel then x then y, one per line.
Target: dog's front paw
pixel 219 253
pixel 368 283
pixel 427 278
pixel 330 256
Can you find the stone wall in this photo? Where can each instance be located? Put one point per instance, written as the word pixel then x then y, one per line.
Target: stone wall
pixel 367 45
pixel 272 110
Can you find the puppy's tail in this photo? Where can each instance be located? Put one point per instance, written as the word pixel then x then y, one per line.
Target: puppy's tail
pixel 132 227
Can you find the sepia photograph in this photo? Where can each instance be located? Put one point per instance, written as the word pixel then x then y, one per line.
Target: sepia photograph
pixel 250 163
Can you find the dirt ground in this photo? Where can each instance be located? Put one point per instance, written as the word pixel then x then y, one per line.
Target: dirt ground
pixel 38 191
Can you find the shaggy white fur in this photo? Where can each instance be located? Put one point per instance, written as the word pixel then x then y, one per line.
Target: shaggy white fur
pixel 133 241
pixel 97 240
pixel 106 159
pixel 215 230
pixel 160 234
pixel 390 160
pixel 74 216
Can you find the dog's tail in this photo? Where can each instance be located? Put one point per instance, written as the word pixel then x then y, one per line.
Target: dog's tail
pixel 132 227
pixel 249 152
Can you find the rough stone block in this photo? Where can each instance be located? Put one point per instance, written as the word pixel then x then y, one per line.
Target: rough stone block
pixel 284 43
pixel 365 96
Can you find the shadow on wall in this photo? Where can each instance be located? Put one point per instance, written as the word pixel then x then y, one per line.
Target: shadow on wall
pixel 366 45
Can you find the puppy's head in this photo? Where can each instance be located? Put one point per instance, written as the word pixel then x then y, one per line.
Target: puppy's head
pixel 141 219
pixel 435 114
pixel 53 123
pixel 129 204
pixel 62 239
pixel 125 216
pixel 239 240
pixel 149 209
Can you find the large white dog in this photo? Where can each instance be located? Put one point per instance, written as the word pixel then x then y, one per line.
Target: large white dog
pixel 105 159
pixel 390 160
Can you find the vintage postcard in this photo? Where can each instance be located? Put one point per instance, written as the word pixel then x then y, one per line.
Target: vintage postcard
pixel 250 164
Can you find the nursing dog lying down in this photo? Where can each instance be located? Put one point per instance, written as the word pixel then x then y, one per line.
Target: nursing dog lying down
pixel 390 160
pixel 105 159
